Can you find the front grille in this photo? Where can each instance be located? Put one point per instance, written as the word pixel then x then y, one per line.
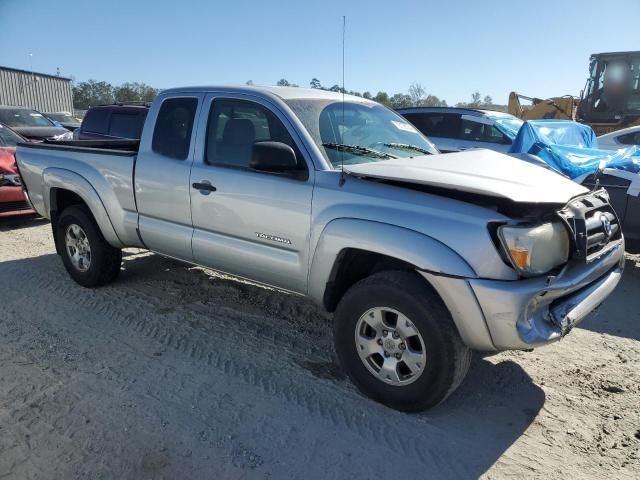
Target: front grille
pixel 14 206
pixel 594 224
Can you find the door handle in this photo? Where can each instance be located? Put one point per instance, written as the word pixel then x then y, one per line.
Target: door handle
pixel 203 186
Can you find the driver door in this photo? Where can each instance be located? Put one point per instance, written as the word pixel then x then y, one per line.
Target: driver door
pixel 249 223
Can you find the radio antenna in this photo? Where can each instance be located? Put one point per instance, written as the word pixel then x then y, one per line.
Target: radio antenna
pixel 344 27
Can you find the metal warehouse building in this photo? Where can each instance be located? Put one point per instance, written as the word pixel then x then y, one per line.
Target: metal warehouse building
pixel 46 93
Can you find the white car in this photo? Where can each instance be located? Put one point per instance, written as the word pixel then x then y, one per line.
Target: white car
pixel 624 138
pixel 453 129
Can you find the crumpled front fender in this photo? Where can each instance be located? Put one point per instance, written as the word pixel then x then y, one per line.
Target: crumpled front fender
pixel 421 251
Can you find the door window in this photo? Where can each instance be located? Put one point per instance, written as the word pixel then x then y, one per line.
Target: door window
pixel 172 132
pixel 481 132
pixel 235 125
pixel 441 125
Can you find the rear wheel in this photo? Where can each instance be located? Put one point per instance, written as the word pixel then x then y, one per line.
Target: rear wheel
pixel 86 255
pixel 397 342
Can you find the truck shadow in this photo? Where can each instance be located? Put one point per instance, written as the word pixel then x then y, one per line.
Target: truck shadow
pixel 619 315
pixel 461 438
pixel 494 406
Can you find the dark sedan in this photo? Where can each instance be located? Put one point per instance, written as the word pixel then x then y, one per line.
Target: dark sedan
pixel 32 124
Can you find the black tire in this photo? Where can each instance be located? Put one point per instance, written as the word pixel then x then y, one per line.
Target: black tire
pixel 105 259
pixel 447 358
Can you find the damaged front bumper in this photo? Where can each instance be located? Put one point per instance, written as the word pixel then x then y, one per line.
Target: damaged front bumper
pixel 529 313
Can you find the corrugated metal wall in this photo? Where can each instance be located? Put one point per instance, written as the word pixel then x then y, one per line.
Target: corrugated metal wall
pixel 46 93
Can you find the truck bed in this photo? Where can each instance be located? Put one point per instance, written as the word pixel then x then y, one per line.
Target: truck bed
pixel 99 171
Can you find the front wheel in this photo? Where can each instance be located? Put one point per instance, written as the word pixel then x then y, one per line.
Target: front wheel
pixel 86 255
pixel 398 343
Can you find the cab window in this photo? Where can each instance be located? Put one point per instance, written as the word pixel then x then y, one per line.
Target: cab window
pixel 96 121
pixel 125 125
pixel 172 132
pixel 235 125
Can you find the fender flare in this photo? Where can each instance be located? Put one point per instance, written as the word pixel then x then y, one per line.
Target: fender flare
pixel 422 251
pixel 59 178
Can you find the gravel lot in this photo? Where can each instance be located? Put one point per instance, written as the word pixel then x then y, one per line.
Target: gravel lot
pixel 177 372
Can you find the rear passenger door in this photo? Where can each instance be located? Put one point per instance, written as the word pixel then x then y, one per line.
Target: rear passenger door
pixel 249 223
pixel 162 172
pixel 440 128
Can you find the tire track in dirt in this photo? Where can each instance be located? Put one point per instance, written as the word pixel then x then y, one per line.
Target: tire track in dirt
pixel 325 399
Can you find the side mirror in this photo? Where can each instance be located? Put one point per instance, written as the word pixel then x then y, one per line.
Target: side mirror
pixel 275 157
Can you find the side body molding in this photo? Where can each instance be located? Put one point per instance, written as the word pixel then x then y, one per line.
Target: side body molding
pixel 415 248
pixel 71 181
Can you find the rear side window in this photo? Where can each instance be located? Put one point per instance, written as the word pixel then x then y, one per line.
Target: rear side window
pixel 95 121
pixel 632 138
pixel 435 124
pixel 172 132
pixel 125 125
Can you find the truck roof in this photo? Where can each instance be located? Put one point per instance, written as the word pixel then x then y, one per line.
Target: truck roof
pixel 283 93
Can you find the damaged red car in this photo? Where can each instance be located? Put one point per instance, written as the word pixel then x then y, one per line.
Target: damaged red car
pixel 12 199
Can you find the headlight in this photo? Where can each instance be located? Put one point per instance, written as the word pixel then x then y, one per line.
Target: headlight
pixel 535 250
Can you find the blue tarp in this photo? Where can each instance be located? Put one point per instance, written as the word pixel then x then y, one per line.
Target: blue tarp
pixel 507 124
pixel 571 148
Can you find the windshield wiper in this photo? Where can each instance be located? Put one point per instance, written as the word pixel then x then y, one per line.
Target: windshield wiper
pixel 408 146
pixel 358 150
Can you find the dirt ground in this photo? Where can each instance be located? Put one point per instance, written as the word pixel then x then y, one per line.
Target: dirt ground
pixel 177 372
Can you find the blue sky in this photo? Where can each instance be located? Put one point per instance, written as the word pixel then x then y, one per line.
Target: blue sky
pixel 451 47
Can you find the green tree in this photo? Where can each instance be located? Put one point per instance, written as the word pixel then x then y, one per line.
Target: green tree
pixel 433 101
pixel 91 92
pixel 488 100
pixel 283 83
pixel 367 95
pixel 134 92
pixel 250 82
pixel 315 83
pixel 382 97
pixel 401 100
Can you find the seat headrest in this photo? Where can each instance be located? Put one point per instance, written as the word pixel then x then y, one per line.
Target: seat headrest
pixel 239 131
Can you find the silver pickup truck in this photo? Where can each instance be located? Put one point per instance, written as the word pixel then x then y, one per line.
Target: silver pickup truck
pixel 423 257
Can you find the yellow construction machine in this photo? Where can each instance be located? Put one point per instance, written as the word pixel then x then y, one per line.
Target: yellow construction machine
pixel 610 100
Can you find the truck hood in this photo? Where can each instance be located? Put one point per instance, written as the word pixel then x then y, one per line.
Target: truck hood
pixel 483 172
